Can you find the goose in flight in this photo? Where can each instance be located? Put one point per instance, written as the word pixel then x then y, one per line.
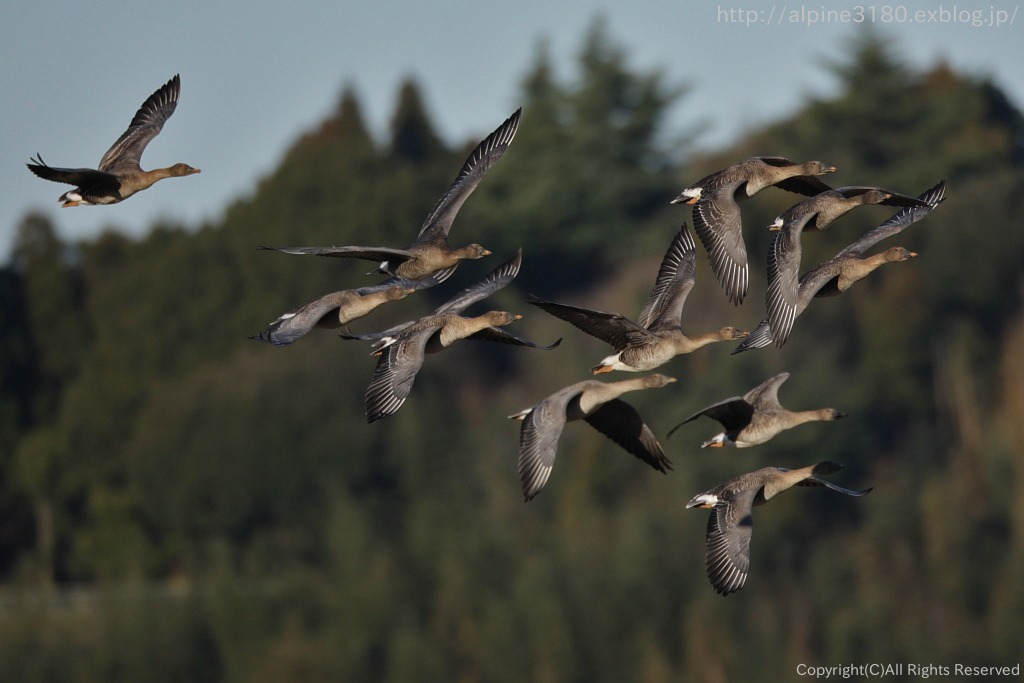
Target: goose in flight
pixel 401 349
pixel 431 252
pixel 817 213
pixel 731 521
pixel 119 175
pixel 849 266
pixel 599 404
pixel 757 416
pixel 656 337
pixel 716 211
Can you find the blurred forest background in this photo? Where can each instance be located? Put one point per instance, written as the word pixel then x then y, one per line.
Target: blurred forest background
pixel 180 503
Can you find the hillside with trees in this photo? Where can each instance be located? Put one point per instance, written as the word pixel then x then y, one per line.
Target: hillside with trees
pixel 178 502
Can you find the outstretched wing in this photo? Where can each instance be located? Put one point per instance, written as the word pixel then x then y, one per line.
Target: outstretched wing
pixel 294 324
pixel 435 278
pixel 364 253
pixel 439 220
pixel 816 481
pixel 782 294
pixel 732 413
pixel 394 375
pixel 85 178
pixel 675 279
pixel 538 439
pixel 765 396
pixel 501 336
pixel 759 338
pixel 621 423
pixel 718 224
pixel 730 527
pixel 931 197
pixel 491 283
pixel 894 198
pixel 610 328
pixel 148 122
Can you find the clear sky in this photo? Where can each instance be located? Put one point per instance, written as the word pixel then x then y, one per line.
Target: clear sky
pixel 255 74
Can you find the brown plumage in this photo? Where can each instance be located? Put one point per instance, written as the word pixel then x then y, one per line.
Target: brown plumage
pixel 401 349
pixel 757 416
pixel 850 265
pixel 119 175
pixel 330 312
pixel 716 211
pixel 656 337
pixel 731 522
pixel 599 404
pixel 430 252
pixel 784 252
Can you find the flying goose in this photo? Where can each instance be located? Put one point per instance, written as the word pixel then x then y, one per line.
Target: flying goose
pixel 656 337
pixel 716 213
pixel 731 521
pixel 839 273
pixel 430 251
pixel 816 213
pixel 599 404
pixel 337 309
pixel 401 349
pixel 757 416
pixel 330 311
pixel 119 175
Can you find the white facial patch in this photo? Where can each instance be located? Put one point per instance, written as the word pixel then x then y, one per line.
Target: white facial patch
pixel 703 500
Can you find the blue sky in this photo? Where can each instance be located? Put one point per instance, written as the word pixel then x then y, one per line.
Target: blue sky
pixel 256 74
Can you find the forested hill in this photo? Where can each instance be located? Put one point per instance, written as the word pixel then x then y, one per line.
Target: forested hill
pixel 178 502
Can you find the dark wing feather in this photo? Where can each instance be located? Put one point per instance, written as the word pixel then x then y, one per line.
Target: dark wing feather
pixel 486 154
pixel 435 278
pixel 728 542
pixel 610 328
pixel 816 279
pixel 776 161
pixel 146 124
pixel 621 423
pixel 675 279
pixel 364 253
pixel 394 375
pixel 806 185
pixel 296 323
pixel 783 283
pixel 491 283
pixel 732 413
pixel 377 336
pixel 759 338
pixel 718 224
pixel 815 481
pixel 501 336
pixel 895 198
pixel 931 197
pixel 85 178
pixel 538 439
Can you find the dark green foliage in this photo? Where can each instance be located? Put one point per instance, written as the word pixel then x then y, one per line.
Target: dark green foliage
pixel 584 185
pixel 413 139
pixel 180 503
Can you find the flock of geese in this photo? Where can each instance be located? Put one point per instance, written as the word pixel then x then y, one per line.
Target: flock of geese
pixel 646 343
